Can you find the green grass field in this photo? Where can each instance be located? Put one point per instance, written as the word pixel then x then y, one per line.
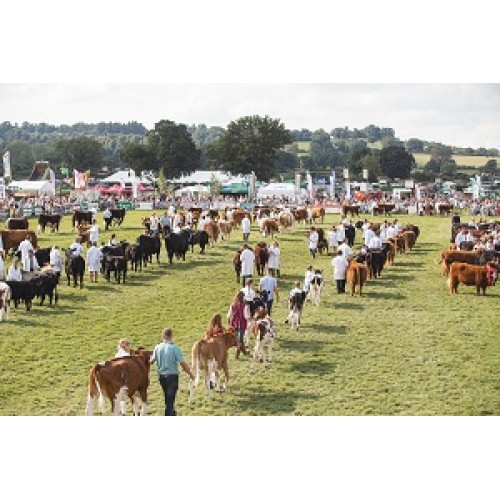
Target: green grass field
pixel 462 160
pixel 405 348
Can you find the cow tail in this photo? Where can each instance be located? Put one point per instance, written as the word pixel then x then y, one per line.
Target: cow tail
pixel 195 362
pixel 95 388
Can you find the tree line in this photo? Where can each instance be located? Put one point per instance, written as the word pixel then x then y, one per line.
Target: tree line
pixel 250 144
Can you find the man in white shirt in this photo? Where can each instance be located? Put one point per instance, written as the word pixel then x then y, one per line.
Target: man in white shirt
pixel 154 224
pixel 391 231
pixel 14 273
pixel 332 240
pixel 245 227
pixel 94 233
pixel 108 217
pixel 460 238
pixel 375 243
pixel 247 263
pixel 345 249
pixel 76 248
pixel 308 278
pixel 368 234
pixel 270 285
pixel 30 264
pixel 25 246
pixel 340 264
pixel 56 261
pixel 313 242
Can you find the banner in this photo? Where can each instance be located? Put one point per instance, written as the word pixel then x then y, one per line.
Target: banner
pixel 2 189
pixel 310 187
pixel 135 187
pixel 348 190
pixel 52 178
pixel 297 183
pixel 6 165
pixel 332 184
pixel 81 179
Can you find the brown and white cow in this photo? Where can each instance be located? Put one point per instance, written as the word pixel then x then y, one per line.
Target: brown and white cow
pixel 210 355
pixel 470 275
pixel 212 230
pixel 300 215
pixel 265 333
pixel 118 379
pixel 356 277
pixel 269 227
pixel 225 228
pixel 318 213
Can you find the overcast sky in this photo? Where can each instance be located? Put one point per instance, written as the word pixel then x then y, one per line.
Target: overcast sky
pixel 454 114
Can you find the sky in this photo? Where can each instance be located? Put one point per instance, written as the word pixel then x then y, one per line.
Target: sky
pixel 454 114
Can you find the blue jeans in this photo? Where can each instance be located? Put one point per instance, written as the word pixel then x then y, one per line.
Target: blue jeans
pixel 169 384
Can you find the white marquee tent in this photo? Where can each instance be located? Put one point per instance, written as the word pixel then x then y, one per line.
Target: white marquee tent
pixel 276 189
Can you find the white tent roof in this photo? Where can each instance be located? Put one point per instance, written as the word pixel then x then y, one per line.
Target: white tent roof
pixel 278 189
pixel 125 176
pixel 31 186
pixel 203 177
pixel 191 190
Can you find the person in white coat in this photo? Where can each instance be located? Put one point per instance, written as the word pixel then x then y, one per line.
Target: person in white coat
pixel 273 263
pixel 245 227
pixel 94 233
pixel 25 246
pixel 313 239
pixel 14 273
pixel 340 265
pixel 56 261
pixel 2 266
pixel 94 256
pixel 30 264
pixel 247 263
pixel 333 241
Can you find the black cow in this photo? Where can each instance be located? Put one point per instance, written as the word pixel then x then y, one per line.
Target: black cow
pixel 197 238
pixel 22 291
pixel 177 244
pixel 150 245
pixel 257 303
pixel 116 219
pixel 133 253
pixel 74 266
pixel 46 285
pixel 19 223
pixel 53 220
pixel 42 256
pixel 350 234
pixel 79 218
pixel 376 261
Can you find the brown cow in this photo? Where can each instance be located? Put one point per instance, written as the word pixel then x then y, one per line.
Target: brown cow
pixel 356 277
pixel 399 243
pixel 225 228
pixel 300 214
pixel 269 227
pixel 285 220
pixel 470 275
pixel 237 265
pixel 80 216
pixel 212 230
pixel 318 213
pixel 210 355
pixel 352 209
pixel 450 256
pixel 83 234
pixel 383 208
pixel 390 252
pixel 238 215
pixel 118 378
pixel 445 209
pixel 17 223
pixel 261 253
pixel 410 239
pixel 11 239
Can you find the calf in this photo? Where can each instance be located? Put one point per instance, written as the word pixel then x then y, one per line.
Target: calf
pixel 22 291
pixel 265 333
pixel 19 223
pixel 46 285
pixel 295 305
pixel 118 378
pixel 178 245
pixel 209 356
pixel 133 253
pixel 356 277
pixel 315 288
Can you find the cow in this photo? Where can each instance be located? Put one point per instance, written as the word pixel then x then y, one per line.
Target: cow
pixel 383 208
pixel 445 209
pixel 265 334
pixel 178 245
pixel 285 220
pixel 410 239
pixel 83 232
pixel 5 298
pixel 150 245
pixel 300 214
pixel 415 229
pixel 237 265
pixel 74 267
pixel 261 256
pixel 269 227
pixel 114 261
pixel 210 355
pixel 315 288
pixel 212 229
pixel 356 277
pixel 53 220
pixel 318 213
pixel 238 215
pixel 399 243
pixel 295 306
pixel 471 275
pixel 429 208
pixel 352 209
pixel 118 379
pixel 225 228
pixel 389 251
pixel 117 217
pixel 322 243
pixel 17 223
pixel 197 238
pixel 133 253
pixel 79 217
pixel 376 261
pixel 22 291
pixel 12 238
pixel 450 256
pixel 42 256
pixel 46 281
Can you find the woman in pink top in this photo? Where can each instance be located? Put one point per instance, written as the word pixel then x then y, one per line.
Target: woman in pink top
pixel 236 318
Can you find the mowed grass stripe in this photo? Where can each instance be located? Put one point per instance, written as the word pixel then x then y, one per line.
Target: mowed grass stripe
pixel 405 348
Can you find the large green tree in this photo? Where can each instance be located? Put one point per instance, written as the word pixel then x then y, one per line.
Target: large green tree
pixel 395 161
pixel 354 160
pixel 138 157
pixel 251 144
pixel 21 158
pixel 82 153
pixel 322 151
pixel 174 149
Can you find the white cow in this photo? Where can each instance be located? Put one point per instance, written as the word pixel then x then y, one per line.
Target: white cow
pixel 265 333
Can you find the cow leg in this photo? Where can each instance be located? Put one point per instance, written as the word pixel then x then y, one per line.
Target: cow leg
pixel 144 401
pixel 91 401
pixel 207 381
pixel 123 408
pixel 256 352
pixel 120 395
pixel 270 350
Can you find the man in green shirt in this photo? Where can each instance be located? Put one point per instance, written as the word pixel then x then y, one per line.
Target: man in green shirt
pixel 168 357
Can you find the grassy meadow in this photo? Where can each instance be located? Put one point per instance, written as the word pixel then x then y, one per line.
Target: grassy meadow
pixel 405 348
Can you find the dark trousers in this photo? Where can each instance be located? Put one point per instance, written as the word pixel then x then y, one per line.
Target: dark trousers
pixel 313 253
pixel 340 286
pixel 269 306
pixel 244 279
pixel 169 384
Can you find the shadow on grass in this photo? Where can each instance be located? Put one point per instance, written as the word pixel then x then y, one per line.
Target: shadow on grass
pixel 384 295
pixel 273 403
pixel 350 306
pixel 313 367
pixel 303 345
pixel 330 329
pixel 406 266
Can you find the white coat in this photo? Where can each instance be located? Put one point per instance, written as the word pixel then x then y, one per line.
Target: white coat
pixel 30 265
pixel 24 247
pixel 247 260
pixel 313 240
pixel 245 225
pixel 94 259
pixel 339 264
pixel 274 257
pixel 56 260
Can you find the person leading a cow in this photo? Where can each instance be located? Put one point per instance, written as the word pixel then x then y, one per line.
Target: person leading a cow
pixel 245 227
pixel 313 239
pixel 108 217
pixel 168 357
pixel 269 284
pixel 237 320
pixel 214 328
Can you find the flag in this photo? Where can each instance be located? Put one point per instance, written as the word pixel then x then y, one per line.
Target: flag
pixel 135 187
pixel 310 187
pixel 297 183
pixel 348 190
pixel 52 178
pixel 64 171
pixel 6 165
pixel 79 179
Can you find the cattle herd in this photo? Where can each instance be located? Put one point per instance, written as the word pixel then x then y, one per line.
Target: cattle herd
pixel 465 265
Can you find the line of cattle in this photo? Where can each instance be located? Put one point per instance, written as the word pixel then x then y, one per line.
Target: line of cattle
pixel 469 267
